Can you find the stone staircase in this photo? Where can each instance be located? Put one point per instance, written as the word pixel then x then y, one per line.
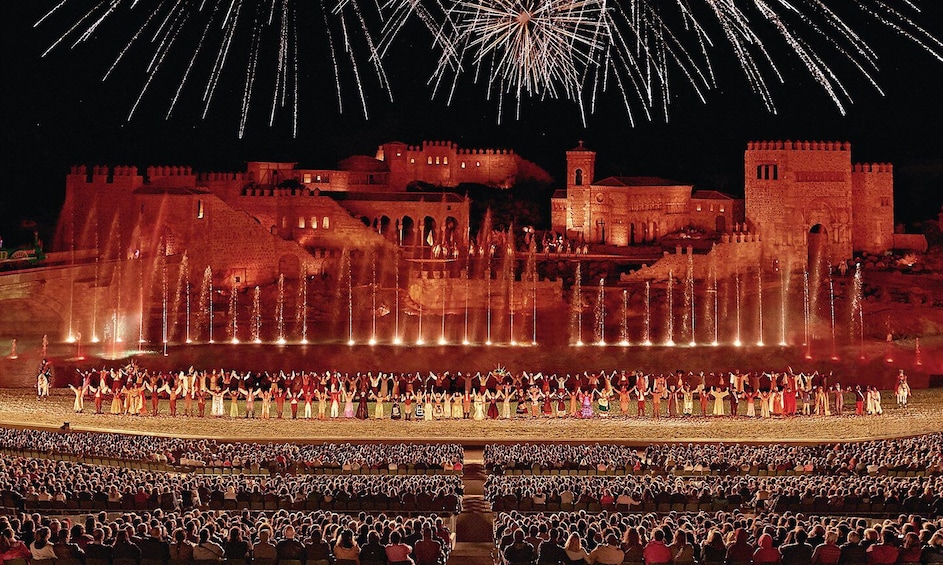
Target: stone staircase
pixel 474 526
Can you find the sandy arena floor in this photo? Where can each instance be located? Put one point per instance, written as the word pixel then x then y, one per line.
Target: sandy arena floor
pixel 19 407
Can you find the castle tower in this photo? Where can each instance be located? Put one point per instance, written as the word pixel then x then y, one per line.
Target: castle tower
pixel 580 172
pixel 872 186
pixel 798 199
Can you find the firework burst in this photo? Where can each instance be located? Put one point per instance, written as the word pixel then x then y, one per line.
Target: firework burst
pixel 644 49
pixel 194 43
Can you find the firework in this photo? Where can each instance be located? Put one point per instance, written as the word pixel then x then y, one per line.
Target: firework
pixel 193 44
pixel 644 49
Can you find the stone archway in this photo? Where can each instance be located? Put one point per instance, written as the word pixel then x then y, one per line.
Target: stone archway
pixel 817 244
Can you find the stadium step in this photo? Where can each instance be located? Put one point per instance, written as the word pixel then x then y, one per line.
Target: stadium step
pixel 469 553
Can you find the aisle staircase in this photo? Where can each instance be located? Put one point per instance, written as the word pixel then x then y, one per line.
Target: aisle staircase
pixel 474 526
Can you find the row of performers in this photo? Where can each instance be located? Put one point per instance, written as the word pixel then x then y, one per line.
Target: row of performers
pixel 333 395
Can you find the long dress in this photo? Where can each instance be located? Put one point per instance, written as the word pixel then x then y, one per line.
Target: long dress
pixel 457 411
pixel 587 410
pixel 479 407
pixel 493 408
pixel 427 408
pixel 719 396
pixel 362 407
pixel 446 405
pixel 349 406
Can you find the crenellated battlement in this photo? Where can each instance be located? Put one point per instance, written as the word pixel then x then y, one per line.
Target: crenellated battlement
pixel 104 173
pixel 798 146
pixel 873 168
pixel 220 176
pixel 169 171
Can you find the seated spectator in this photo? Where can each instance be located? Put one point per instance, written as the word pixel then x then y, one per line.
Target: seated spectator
pixel 346 550
pixel 550 552
pixel 397 552
pixel 12 548
pixel 372 552
pixel 609 553
pixel 428 551
pixel 933 551
pixel 520 552
pixel 180 549
pixel 886 552
pixel 207 549
pixel 828 552
pixel 765 553
pixel 799 552
pixel 235 547
pixel 740 551
pixel 656 552
pixel 264 548
pixel 318 551
pixel 575 554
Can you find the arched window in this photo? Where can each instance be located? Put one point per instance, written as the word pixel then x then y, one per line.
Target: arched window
pixel 301 222
pixel 199 209
pixel 437 160
pixel 463 164
pixel 314 222
pixel 445 160
pixel 326 223
pixel 578 181
pixel 429 160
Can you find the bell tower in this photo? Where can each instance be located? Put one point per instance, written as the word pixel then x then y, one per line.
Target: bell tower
pixel 580 172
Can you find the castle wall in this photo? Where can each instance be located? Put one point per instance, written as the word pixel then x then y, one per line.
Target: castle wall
pixel 443 163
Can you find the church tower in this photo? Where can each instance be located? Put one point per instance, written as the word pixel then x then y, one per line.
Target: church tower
pixel 580 172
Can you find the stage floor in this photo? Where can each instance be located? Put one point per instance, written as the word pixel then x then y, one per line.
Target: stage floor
pixel 19 407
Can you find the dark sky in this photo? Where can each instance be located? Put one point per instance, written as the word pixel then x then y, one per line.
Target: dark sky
pixel 57 112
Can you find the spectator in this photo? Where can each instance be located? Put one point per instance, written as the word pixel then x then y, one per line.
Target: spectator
pixel 65 549
pixel 207 549
pixel 97 549
pixel 235 547
pixel 828 552
pixel 41 548
pixel 372 552
pixel 682 552
pixel 288 547
pixel 397 552
pixel 550 552
pixel 765 553
pixel 428 551
pixel 180 549
pixel 608 553
pixel 933 552
pixel 154 546
pixel 740 551
pixel 12 548
pixel 318 551
pixel 264 548
pixel 852 551
pixel 886 552
pixel 799 552
pixel 656 552
pixel 575 554
pixel 346 551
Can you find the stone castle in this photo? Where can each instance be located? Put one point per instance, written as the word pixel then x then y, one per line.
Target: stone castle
pixel 799 198
pixel 274 218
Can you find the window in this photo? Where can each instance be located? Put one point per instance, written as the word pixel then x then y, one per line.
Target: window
pixel 326 223
pixel 578 181
pixel 775 172
pixel 463 164
pixel 477 163
pixel 284 222
pixel 314 222
pixel 445 160
pixel 318 178
pixel 711 207
pixel 307 178
pixel 399 153
pixel 429 160
pixel 199 209
pixel 721 208
pixel 301 222
pixel 412 160
pixel 759 172
pixel 437 160
pixel 698 207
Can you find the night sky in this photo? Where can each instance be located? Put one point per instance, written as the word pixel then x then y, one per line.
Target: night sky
pixel 58 112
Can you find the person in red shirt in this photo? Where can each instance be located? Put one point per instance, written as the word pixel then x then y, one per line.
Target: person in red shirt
pixel 428 551
pixel 885 553
pixel 766 554
pixel 656 552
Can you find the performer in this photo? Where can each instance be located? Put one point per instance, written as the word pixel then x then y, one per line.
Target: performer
pixel 902 390
pixel 687 396
pixel 42 380
pixel 859 401
pixel 719 396
pixel 80 391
